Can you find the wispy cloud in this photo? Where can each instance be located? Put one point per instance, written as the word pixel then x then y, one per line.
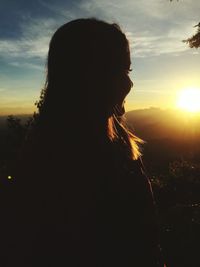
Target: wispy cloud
pixel 156 46
pixel 33 43
pixel 150 26
pixel 26 65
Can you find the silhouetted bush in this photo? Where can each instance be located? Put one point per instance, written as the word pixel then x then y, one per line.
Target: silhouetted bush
pixel 177 194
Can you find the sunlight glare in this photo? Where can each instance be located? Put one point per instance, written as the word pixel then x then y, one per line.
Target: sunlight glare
pixel 189 99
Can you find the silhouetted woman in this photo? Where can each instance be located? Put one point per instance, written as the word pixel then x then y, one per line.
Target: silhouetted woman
pixel 83 197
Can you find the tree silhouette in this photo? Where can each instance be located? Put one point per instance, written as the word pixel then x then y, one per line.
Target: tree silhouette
pixel 194 41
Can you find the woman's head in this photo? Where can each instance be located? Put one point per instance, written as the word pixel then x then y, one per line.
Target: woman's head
pixel 87 82
pixel 88 64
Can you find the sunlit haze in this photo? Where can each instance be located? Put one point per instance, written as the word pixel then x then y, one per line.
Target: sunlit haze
pixel 189 99
pixel 162 64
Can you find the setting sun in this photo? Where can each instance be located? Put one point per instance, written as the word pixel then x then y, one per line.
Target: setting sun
pixel 189 99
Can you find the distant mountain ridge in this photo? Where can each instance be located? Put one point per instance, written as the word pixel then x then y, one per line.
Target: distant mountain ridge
pixel 152 123
pixel 155 123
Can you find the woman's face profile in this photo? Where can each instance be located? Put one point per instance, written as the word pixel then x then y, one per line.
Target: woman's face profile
pixel 123 85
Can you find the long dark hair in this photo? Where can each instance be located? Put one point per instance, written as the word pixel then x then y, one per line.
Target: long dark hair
pixel 87 81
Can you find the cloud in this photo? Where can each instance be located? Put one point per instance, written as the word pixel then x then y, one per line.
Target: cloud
pixel 9 48
pixel 26 65
pixel 153 27
pixel 33 43
pixel 150 46
pixel 150 27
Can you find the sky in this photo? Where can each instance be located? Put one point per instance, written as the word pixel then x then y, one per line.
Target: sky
pixel 162 64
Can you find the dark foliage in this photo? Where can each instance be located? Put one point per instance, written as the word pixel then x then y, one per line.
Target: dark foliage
pixel 177 194
pixel 194 41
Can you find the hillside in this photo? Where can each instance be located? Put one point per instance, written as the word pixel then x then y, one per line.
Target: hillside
pixel 169 136
pixel 156 123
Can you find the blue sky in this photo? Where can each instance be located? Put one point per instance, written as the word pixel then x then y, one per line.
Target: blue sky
pixel 162 64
